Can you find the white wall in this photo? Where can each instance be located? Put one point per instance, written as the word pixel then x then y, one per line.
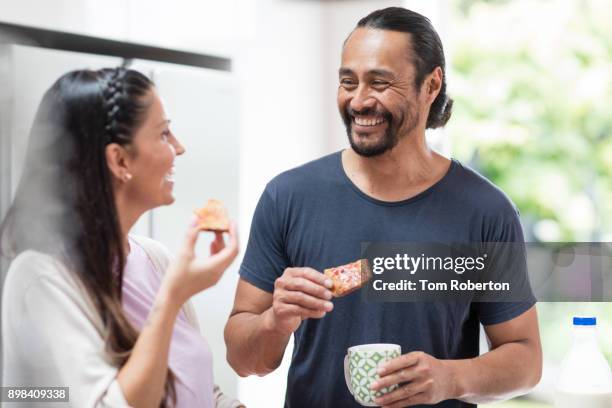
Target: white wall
pixel 279 72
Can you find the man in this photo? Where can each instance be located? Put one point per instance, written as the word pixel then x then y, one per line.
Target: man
pixel 389 186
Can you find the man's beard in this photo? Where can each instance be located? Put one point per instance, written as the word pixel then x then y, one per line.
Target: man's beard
pixel 391 136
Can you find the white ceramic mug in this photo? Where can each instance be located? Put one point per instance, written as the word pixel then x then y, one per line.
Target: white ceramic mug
pixel 360 370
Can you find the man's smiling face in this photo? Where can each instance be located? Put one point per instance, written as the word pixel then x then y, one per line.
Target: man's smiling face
pixel 377 97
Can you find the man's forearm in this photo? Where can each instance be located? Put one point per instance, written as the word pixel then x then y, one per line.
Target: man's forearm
pixel 511 369
pixel 253 347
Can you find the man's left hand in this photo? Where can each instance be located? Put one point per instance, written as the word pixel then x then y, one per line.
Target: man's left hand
pixel 421 379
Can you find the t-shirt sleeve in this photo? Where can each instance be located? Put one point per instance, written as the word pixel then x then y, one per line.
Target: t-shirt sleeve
pixel 505 228
pixel 265 258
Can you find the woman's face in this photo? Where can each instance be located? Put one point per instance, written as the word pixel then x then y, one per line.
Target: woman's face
pixel 152 153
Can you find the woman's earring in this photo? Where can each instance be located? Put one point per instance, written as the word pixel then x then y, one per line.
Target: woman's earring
pixel 127 177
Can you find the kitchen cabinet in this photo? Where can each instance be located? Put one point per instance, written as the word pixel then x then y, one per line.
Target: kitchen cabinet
pixel 205 27
pixel 106 19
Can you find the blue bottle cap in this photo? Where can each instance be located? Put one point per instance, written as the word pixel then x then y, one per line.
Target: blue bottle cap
pixel 585 321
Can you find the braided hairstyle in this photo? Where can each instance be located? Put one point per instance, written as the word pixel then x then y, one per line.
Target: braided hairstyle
pixel 66 168
pixel 118 124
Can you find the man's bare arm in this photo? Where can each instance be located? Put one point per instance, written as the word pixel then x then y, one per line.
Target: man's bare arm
pixel 512 367
pixel 252 346
pixel 261 323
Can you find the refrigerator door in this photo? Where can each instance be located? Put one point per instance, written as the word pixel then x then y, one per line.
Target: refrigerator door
pixel 203 107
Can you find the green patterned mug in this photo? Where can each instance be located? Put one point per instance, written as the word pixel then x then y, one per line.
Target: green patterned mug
pixel 360 365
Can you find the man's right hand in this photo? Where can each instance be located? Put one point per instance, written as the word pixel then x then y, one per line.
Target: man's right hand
pixel 300 293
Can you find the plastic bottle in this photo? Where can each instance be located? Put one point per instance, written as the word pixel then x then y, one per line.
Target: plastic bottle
pixel 585 380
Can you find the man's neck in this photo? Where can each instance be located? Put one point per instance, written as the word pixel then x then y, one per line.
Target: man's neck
pixel 408 169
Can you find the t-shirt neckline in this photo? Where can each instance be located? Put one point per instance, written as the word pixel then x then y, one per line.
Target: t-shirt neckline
pixel 437 185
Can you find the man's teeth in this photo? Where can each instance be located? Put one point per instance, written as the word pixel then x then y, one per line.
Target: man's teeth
pixel 368 122
pixel 170 175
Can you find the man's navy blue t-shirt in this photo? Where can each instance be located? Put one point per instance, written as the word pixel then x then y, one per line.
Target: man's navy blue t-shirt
pixel 315 216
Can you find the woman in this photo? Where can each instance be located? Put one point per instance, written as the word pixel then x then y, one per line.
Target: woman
pixel 85 305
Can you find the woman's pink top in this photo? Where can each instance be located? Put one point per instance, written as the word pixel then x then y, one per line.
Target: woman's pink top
pixel 190 358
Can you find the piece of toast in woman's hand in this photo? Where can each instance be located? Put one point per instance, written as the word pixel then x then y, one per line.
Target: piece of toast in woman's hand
pixel 348 278
pixel 213 217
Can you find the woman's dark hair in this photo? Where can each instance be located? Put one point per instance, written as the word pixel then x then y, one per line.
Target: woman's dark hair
pixel 426 48
pixel 64 204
